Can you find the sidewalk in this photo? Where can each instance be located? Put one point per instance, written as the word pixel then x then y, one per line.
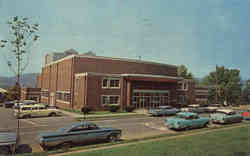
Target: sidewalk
pixel 103 116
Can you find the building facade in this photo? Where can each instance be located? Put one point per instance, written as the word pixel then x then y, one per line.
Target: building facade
pixel 190 93
pixel 31 94
pixel 78 81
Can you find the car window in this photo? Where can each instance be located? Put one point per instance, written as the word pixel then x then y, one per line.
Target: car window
pixel 34 108
pixel 92 127
pixel 79 128
pixel 41 108
pixel 26 108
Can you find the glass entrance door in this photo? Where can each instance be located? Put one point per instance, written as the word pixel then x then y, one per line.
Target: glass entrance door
pixel 150 98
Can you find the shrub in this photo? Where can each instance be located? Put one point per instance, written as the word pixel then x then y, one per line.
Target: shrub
pixel 85 110
pixel 129 108
pixel 113 108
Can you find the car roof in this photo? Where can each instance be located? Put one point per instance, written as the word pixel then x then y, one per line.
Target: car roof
pixel 194 105
pixel 187 114
pixel 35 105
pixel 227 111
pixel 165 107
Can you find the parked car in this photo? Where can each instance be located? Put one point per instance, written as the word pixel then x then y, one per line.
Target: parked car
pixel 8 142
pixel 197 108
pixel 163 110
pixel 246 114
pixel 186 120
pixel 25 102
pixel 35 110
pixel 78 133
pixel 9 104
pixel 211 109
pixel 226 116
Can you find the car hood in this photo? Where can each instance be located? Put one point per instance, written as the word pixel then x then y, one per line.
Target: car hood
pixel 8 137
pixel 174 120
pixel 48 134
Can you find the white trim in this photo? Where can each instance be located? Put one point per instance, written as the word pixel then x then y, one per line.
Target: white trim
pixel 150 91
pixel 44 97
pixel 60 60
pixel 153 76
pixel 109 100
pixel 97 74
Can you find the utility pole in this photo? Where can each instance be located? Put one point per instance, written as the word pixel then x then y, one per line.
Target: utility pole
pixel 216 86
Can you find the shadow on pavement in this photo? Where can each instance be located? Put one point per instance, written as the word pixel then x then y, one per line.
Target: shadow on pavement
pixel 24 148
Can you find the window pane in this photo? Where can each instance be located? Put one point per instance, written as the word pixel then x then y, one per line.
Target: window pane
pixel 114 83
pixel 104 83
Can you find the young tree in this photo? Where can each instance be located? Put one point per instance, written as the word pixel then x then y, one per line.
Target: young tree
pixel 22 35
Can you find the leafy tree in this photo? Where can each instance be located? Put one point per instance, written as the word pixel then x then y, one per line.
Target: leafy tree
pixel 22 35
pixel 228 85
pixel 183 72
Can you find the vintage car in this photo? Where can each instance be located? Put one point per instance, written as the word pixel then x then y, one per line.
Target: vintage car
pixel 25 102
pixel 163 110
pixel 35 110
pixel 225 116
pixel 9 104
pixel 8 142
pixel 78 133
pixel 246 114
pixel 186 120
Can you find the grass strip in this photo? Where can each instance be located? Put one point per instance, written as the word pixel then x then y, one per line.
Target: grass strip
pixel 130 140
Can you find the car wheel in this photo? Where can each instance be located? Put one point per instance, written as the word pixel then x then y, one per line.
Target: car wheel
pixel 67 145
pixel 113 138
pixel 52 114
pixel 4 151
pixel 206 124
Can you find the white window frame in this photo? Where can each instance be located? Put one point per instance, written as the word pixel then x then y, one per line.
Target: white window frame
pixel 109 79
pixel 107 83
pixel 108 96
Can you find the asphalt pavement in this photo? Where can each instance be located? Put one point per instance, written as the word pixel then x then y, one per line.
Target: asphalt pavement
pixel 132 128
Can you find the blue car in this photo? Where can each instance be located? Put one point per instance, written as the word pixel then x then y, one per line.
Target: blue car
pixel 186 120
pixel 78 133
pixel 163 110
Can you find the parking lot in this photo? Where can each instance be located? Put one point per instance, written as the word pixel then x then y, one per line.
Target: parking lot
pixel 30 128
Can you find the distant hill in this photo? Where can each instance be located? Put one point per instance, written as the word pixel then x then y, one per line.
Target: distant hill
pixel 27 80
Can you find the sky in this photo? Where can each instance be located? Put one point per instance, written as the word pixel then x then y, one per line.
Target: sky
pixel 196 33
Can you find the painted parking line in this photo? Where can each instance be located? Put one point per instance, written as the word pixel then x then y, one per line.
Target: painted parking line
pixel 29 121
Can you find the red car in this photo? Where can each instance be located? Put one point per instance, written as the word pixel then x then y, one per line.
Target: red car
pixel 246 114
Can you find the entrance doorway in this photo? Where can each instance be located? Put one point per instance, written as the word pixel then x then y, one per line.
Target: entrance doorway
pixel 52 99
pixel 147 99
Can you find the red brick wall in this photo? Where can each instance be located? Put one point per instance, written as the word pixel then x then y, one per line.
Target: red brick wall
pixel 121 67
pixel 60 77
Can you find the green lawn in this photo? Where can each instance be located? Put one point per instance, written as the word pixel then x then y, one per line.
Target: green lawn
pixel 234 142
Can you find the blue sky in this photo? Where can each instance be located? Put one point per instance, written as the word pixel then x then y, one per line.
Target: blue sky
pixel 196 33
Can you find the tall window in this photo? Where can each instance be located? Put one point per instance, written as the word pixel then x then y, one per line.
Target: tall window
pixel 110 99
pixel 105 83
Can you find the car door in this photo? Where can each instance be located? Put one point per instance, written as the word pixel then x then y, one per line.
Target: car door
pixel 78 134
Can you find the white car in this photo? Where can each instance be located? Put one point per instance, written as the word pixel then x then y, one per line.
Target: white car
pixel 25 102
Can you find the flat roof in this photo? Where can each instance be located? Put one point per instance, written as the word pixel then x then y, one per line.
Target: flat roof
pixel 129 75
pixel 110 58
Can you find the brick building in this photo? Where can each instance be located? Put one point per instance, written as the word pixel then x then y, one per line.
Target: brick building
pixel 31 94
pixel 190 93
pixel 94 81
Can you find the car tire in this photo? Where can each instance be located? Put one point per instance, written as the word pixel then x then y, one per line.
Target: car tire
pixel 4 151
pixel 66 145
pixel 113 137
pixel 52 114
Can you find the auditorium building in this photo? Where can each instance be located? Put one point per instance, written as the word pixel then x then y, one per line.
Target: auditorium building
pixel 87 80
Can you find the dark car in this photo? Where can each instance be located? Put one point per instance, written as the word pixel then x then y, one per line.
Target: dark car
pixel 9 104
pixel 78 133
